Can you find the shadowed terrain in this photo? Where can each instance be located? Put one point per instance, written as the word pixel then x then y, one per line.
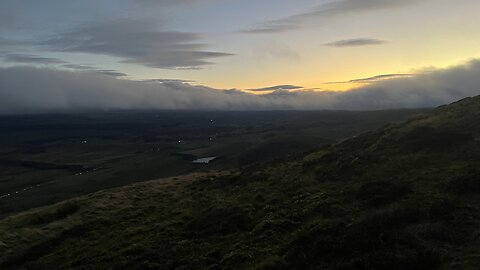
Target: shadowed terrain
pixel 406 196
pixel 49 158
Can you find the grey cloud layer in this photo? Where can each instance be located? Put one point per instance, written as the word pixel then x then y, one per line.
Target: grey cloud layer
pixel 91 69
pixel 13 12
pixel 131 38
pixel 31 59
pixel 111 72
pixel 38 60
pixel 170 2
pixel 49 89
pixel 136 42
pixel 328 10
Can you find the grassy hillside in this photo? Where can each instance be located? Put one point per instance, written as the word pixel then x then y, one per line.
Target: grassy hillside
pixel 403 197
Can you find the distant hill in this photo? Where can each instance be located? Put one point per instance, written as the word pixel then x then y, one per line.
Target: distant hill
pixel 406 196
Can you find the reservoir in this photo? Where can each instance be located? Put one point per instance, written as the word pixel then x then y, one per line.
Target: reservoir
pixel 205 160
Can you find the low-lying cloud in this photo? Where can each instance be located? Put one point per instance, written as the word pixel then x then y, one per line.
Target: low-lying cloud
pixel 30 90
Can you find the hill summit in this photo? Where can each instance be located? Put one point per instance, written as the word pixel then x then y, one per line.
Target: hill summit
pixel 406 196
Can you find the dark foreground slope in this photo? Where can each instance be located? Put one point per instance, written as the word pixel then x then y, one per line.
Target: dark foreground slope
pixel 404 197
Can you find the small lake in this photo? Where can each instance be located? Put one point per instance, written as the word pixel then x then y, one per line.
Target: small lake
pixel 205 160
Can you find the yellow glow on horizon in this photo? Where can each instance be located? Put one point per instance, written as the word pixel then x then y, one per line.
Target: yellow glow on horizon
pixel 309 78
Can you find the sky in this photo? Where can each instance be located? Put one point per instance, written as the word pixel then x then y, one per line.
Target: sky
pixel 236 54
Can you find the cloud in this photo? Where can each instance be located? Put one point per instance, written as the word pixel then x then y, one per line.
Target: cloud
pixel 51 90
pixel 356 42
pixel 170 2
pixel 376 78
pixel 136 41
pixel 111 72
pixel 38 60
pixel 11 44
pixel 326 11
pixel 270 28
pixel 286 87
pixel 169 81
pixel 79 67
pixel 30 90
pixel 31 59
pixel 432 88
pixel 91 69
pixel 34 14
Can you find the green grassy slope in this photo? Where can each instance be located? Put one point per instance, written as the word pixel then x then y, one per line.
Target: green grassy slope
pixel 403 197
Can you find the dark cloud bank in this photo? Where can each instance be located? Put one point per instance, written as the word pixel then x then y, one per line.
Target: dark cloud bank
pixel 30 90
pixel 131 41
pixel 136 41
pixel 31 59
